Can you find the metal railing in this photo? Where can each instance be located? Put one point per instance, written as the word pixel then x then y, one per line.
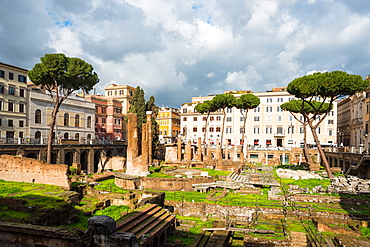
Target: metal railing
pixel 44 141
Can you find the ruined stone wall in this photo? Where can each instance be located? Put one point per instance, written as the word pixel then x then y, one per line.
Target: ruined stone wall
pixel 173 184
pixel 13 234
pixel 201 209
pixel 20 169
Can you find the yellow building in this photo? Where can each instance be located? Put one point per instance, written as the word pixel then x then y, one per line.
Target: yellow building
pixel 168 120
pixel 13 103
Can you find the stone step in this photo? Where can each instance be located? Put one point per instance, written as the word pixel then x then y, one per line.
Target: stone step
pixel 126 224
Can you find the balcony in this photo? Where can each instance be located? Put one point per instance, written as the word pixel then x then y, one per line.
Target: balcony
pixel 279 134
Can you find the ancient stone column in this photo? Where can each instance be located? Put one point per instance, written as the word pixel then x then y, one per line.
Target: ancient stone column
pixel 226 149
pixel 209 153
pixel 188 152
pixel 144 144
pixel 179 149
pixel 218 151
pixel 132 142
pixel 150 137
pixel 199 154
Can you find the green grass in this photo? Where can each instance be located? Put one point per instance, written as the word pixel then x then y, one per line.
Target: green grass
pixel 113 211
pixel 109 185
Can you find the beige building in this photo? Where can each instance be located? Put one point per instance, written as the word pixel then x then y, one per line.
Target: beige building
pixel 267 126
pixel 75 119
pixel 13 103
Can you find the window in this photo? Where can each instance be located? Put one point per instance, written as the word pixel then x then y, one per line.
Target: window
pixel 195 129
pixel 269 100
pixel 330 132
pixel 77 120
pixel 330 121
pixel 228 119
pixel 103 109
pixel 11 91
pixel 268 118
pixel 11 76
pixel 66 135
pixel 256 130
pixel 241 130
pixel 279 118
pixel 228 130
pixel 279 130
pixel 268 108
pixel 66 119
pixel 290 118
pixel 268 142
pixel 38 116
pixel 256 142
pixel 301 130
pixel 77 136
pixel 229 110
pixel 218 129
pixel 211 129
pixel 10 123
pixel 268 130
pixel 21 123
pixel 1 120
pixel 241 119
pixel 204 118
pixel 291 130
pixel 185 119
pixel 185 110
pixel 318 130
pixel 278 109
pixel 22 78
pixel 2 74
pixel 257 109
pixel 21 107
pixel 1 105
pixel 1 88
pixel 88 122
pixel 10 106
pixel 103 120
pixel 21 92
pixel 195 119
pixel 218 118
pixel 253 156
pixel 203 129
pixel 280 100
pixel 256 119
pixel 212 118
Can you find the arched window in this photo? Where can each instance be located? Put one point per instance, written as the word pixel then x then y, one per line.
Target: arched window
pixel 38 134
pixel 77 120
pixel 66 135
pixel 38 116
pixel 89 122
pixel 77 136
pixel 66 119
pixel 89 136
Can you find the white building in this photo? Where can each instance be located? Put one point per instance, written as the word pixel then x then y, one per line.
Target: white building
pixel 267 125
pixel 75 119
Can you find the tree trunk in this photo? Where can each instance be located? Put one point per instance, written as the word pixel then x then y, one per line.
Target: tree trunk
pixel 321 151
pixel 222 130
pixel 205 131
pixel 243 134
pixel 50 138
pixel 305 148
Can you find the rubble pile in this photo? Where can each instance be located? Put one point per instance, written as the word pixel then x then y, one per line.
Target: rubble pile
pixel 349 185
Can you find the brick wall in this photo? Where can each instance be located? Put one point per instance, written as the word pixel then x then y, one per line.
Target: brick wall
pixel 20 169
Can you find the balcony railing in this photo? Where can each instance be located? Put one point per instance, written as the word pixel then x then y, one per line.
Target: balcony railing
pixel 44 141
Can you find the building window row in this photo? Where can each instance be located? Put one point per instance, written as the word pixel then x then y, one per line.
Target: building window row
pixel 21 78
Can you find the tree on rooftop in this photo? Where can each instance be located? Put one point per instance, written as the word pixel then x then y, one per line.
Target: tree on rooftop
pixel 205 108
pixel 327 87
pixel 222 102
pixel 60 76
pixel 244 103
pixel 305 109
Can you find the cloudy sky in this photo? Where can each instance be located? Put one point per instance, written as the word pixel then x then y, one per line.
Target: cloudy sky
pixel 176 49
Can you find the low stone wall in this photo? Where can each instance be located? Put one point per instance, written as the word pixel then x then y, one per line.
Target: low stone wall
pixel 14 234
pixel 173 184
pixel 20 169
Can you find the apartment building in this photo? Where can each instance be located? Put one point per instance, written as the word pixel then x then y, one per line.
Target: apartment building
pixel 13 103
pixel 168 120
pixel 108 117
pixel 266 126
pixel 75 119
